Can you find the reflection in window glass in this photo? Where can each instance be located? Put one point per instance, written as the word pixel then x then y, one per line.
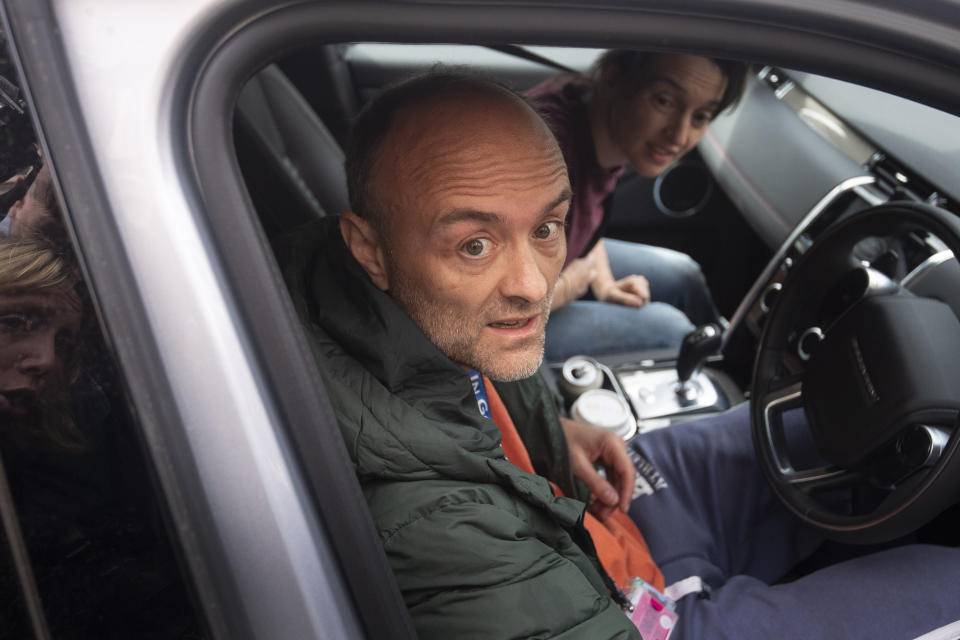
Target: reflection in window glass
pixel 78 493
pixel 13 606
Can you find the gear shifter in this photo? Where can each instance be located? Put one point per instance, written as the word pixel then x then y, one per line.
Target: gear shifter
pixel 697 346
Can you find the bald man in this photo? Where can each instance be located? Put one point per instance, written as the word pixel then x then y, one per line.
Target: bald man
pixel 474 241
pixel 425 307
pixel 446 268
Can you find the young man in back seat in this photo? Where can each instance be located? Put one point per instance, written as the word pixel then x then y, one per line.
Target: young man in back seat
pixel 426 306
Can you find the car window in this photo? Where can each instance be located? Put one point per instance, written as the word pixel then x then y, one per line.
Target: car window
pixel 799 152
pixel 86 551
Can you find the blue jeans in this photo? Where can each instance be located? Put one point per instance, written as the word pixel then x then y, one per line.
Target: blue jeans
pixel 679 297
pixel 718 519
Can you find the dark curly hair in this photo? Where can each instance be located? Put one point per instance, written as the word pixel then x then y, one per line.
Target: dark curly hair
pixel 621 72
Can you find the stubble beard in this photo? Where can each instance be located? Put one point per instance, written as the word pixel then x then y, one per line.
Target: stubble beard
pixel 459 335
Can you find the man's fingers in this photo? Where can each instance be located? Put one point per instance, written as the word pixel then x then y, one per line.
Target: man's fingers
pixel 620 469
pixel 600 511
pixel 625 487
pixel 623 484
pixel 599 488
pixel 590 446
pixel 637 285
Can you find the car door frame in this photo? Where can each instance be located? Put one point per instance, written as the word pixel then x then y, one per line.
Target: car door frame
pixel 666 26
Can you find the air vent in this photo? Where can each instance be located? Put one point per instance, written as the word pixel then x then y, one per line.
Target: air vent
pixel 894 179
pixel 900 183
pixel 818 117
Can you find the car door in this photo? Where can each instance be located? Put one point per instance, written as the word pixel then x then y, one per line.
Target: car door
pixel 222 483
pixel 88 544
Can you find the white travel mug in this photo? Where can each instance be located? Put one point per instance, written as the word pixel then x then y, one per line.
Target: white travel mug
pixel 604 409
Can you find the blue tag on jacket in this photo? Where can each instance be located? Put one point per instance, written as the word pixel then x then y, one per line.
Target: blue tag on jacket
pixel 480 390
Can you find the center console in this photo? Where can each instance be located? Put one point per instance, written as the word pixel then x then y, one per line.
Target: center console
pixel 636 395
pixel 658 389
pixel 661 388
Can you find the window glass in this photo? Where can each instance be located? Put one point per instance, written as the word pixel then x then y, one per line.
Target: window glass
pixel 84 537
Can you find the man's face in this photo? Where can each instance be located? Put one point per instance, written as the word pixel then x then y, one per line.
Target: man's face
pixel 478 197
pixel 658 125
pixel 38 335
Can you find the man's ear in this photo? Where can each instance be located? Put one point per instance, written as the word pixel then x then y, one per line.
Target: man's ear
pixel 366 245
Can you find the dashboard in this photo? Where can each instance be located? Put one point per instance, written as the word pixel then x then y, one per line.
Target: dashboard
pixel 802 152
pixel 797 138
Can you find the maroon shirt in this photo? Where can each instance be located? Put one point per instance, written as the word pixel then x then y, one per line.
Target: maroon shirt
pixel 560 100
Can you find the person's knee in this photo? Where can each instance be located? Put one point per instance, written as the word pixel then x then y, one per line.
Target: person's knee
pixel 687 269
pixel 600 328
pixel 665 323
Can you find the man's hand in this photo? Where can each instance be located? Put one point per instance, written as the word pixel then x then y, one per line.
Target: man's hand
pixel 632 291
pixel 591 445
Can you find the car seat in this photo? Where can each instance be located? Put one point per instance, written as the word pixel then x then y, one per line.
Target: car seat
pixel 291 163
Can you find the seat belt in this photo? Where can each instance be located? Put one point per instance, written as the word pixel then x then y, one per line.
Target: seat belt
pixel 519 52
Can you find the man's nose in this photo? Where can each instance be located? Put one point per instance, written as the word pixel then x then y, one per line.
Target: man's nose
pixel 38 355
pixel 523 277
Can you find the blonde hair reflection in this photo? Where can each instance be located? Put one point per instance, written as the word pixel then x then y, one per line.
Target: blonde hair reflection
pixel 30 265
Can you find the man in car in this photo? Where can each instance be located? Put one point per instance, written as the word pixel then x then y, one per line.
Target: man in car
pixel 644 110
pixel 426 308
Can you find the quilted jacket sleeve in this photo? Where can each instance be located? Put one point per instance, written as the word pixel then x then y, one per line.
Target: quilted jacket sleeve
pixel 474 570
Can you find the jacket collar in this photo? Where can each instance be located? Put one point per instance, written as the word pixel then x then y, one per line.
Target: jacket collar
pixel 372 328
pixel 417 415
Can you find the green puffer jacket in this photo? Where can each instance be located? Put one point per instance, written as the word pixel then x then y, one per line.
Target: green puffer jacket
pixel 479 548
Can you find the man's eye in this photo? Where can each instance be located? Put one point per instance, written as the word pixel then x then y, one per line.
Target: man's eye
pixel 476 247
pixel 547 230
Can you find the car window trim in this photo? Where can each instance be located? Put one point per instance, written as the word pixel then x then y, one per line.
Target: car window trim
pixel 292 375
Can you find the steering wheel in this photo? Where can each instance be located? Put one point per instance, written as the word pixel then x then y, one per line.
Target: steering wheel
pixel 875 369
